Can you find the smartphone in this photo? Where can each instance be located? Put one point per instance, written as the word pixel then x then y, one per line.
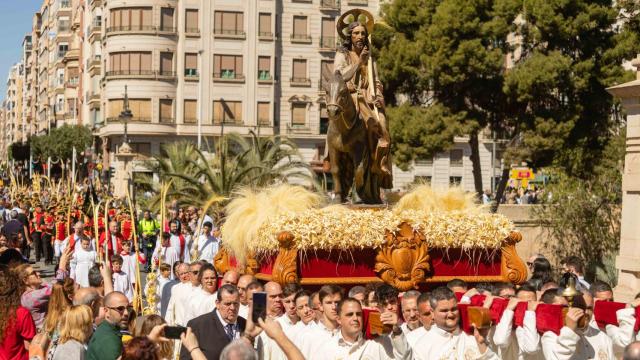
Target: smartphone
pixel 174 332
pixel 259 306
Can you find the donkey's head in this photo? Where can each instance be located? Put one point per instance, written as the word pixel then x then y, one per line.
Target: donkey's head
pixel 336 90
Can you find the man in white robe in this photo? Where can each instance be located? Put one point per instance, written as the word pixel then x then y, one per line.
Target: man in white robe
pixel 446 340
pixel 524 342
pixel 203 299
pixel 349 343
pixel 207 245
pixel 180 294
pixel 243 282
pixel 311 342
pixel 410 313
pixel 575 342
pixel 425 313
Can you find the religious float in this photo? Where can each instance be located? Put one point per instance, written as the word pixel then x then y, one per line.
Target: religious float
pixel 285 234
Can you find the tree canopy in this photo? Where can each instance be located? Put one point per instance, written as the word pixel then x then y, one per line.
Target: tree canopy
pixel 60 141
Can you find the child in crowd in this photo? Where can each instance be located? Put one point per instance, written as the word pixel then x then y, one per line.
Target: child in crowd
pixel 167 254
pixel 163 278
pixel 82 261
pixel 129 262
pixel 120 278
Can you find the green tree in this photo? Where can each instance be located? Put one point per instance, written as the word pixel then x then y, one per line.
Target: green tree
pixel 238 161
pixel 60 141
pixel 450 53
pixel 583 215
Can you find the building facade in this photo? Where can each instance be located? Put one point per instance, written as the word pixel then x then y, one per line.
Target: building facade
pixel 194 69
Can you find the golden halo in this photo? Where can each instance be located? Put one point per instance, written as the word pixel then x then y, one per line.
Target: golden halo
pixel 361 15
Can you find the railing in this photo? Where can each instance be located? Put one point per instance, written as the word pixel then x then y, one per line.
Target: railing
pixel 265 34
pixel 264 75
pixel 227 121
pixel 164 120
pixel 166 73
pixel 191 72
pixel 133 119
pixel 330 4
pixel 149 28
pixel 167 29
pixel 65 4
pixel 230 75
pixel 131 72
pixel 192 30
pixel 234 32
pixel 300 80
pixel 301 37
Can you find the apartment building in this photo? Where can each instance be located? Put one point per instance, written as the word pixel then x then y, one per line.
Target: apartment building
pixel 194 67
pixel 13 123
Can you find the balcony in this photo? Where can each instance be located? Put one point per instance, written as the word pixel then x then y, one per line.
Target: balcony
pixel 264 77
pixel 300 39
pixel 95 3
pixel 131 74
pixel 266 36
pixel 94 99
pixel 71 55
pixel 94 65
pixel 140 30
pixel 328 43
pixel 229 34
pixel 166 75
pixel 228 76
pixel 192 32
pixel 95 31
pixel 116 120
pixel 227 121
pixel 358 2
pixel 191 75
pixel 300 82
pixel 329 5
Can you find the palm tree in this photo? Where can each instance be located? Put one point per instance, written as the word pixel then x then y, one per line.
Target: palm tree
pixel 237 162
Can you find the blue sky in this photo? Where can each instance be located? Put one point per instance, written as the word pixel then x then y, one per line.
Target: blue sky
pixel 15 22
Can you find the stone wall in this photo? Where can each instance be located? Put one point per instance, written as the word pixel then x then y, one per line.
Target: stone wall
pixel 533 232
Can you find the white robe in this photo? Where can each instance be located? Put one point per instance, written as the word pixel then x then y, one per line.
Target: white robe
pixel 415 335
pixel 267 348
pixel 207 247
pixel 312 342
pixel 569 345
pixel 521 344
pixel 200 303
pixel 121 283
pixel 383 347
pixel 129 266
pixel 174 242
pixel 438 344
pixel 622 335
pixel 81 262
pixel 166 255
pixel 178 304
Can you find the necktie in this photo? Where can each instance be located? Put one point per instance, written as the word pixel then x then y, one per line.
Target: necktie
pixel 230 332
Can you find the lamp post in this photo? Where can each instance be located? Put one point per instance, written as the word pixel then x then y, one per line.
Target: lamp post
pixel 125 154
pixel 125 115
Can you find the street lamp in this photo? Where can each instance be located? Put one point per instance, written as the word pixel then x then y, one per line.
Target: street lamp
pixel 126 115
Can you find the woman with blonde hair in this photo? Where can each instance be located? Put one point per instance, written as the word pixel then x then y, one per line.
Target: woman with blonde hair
pixel 75 331
pixel 165 348
pixel 59 301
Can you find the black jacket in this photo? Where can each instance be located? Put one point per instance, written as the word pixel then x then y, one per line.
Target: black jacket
pixel 211 335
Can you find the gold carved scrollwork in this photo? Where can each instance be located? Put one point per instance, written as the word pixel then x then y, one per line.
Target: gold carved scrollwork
pixel 403 260
pixel 221 261
pixel 513 268
pixel 285 268
pixel 252 266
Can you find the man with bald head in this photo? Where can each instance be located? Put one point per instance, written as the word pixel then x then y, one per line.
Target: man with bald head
pixel 632 351
pixel 180 294
pixel 106 342
pixel 114 243
pixel 230 277
pixel 91 297
pixel 243 282
pixel 264 344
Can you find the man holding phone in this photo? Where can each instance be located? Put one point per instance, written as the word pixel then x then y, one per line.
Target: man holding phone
pixel 217 329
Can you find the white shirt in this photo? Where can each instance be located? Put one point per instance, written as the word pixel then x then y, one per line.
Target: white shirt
pixel 383 347
pixel 622 335
pixel 267 348
pixel 311 342
pixel 121 283
pixel 207 247
pixel 592 344
pixel 243 312
pixel 524 343
pixel 415 335
pixel 236 330
pixel 177 308
pixel 200 303
pixel 439 344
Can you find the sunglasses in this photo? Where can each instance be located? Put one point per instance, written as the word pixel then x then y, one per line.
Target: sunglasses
pixel 121 309
pixel 529 264
pixel 34 273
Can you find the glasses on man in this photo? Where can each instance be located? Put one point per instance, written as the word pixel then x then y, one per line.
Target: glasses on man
pixel 121 309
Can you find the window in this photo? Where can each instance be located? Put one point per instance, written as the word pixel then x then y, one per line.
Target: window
pixel 328 37
pixel 166 63
pixel 190 64
pixel 455 180
pixel 141 109
pixel 143 149
pixel 422 179
pixel 263 114
pixel 455 156
pixel 324 119
pixel 115 108
pixel 191 21
pixel 137 19
pixel 264 68
pixel 227 67
pixel 264 25
pixel 299 114
pixel 300 28
pixel 229 112
pixel 166 111
pixel 73 76
pixel 228 23
pixel 62 50
pixel 166 19
pixel 130 63
pixel 299 71
pixel 424 161
pixel 190 111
